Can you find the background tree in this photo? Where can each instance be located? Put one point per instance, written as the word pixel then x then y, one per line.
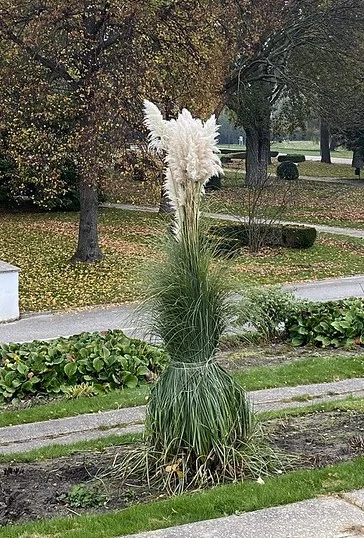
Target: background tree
pixel 277 32
pixel 100 58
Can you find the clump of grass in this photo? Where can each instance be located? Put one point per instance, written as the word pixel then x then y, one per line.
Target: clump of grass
pixel 199 423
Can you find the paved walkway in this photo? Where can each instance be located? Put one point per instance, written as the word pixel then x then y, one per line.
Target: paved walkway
pixel 24 437
pixel 43 326
pixel 351 232
pixel 324 517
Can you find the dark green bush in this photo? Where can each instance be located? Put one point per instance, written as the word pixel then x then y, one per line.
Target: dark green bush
pixel 232 237
pixel 214 183
pixel 107 360
pixel 298 236
pixel 291 158
pixel 287 170
pixel 334 323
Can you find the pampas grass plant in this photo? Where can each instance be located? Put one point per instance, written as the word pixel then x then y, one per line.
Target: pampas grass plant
pixel 199 423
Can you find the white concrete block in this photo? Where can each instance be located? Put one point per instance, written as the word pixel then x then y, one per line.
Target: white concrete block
pixel 9 292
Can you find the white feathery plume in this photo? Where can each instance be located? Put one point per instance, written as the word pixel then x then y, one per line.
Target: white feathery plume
pixel 158 127
pixel 191 158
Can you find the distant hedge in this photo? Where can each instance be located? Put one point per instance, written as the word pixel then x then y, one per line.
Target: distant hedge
pixel 292 158
pixel 231 238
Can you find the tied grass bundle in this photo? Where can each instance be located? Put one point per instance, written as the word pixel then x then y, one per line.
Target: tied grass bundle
pixel 189 305
pixel 199 423
pixel 197 416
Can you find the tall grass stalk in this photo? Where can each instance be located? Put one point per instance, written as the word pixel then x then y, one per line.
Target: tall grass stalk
pixel 198 418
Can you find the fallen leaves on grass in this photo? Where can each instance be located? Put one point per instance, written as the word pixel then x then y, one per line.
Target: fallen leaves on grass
pixel 41 244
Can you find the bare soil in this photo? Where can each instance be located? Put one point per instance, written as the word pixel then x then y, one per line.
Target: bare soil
pixel 39 490
pixel 276 354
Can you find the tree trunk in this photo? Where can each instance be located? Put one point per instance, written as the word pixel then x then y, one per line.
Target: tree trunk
pixel 325 142
pixel 88 250
pixel 257 155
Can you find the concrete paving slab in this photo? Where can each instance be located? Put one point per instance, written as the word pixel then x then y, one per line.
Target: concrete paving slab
pixel 355 497
pixel 24 437
pixel 68 438
pixel 325 517
pixel 285 397
pixel 329 289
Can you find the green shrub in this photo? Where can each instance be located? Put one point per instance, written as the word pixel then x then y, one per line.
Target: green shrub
pixel 7 169
pixel 107 360
pixel 287 170
pixel 232 237
pixel 269 311
pixel 291 158
pixel 237 155
pixel 334 323
pixel 298 236
pixel 214 183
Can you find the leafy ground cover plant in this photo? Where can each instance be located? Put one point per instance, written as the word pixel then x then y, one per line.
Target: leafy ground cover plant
pixel 100 360
pixel 333 323
pixel 269 311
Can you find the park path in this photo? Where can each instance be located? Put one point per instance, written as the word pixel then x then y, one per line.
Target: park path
pixel 351 232
pixel 128 318
pixel 25 437
pixel 47 325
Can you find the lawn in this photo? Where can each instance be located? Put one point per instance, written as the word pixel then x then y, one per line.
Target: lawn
pixel 321 170
pixel 41 244
pixel 333 204
pixel 318 368
pixel 303 147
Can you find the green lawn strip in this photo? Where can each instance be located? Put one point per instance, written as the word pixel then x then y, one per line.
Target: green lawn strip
pixel 335 204
pixel 318 169
pixel 300 372
pixel 59 451
pixel 115 399
pixel 296 147
pixel 315 169
pixel 217 502
pixel 348 404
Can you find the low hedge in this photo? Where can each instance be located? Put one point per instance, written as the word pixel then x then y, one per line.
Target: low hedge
pixel 292 158
pixel 214 183
pixel 333 323
pixel 231 238
pixel 237 155
pixel 107 360
pixel 288 171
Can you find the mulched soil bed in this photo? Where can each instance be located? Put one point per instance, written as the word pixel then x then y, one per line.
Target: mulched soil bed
pixel 275 355
pixel 39 490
